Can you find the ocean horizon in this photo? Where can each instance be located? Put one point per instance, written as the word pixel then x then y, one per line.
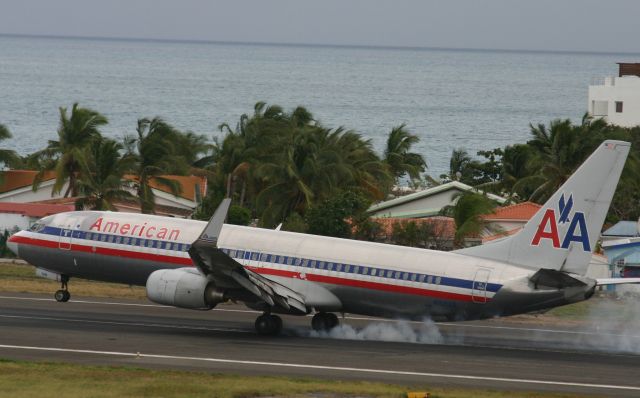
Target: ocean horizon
pixel 476 99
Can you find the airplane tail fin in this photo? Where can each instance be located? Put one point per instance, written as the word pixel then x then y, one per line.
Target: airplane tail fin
pixel 563 233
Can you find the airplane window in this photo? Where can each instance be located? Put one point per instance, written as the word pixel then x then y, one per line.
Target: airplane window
pixel 396 275
pixel 292 261
pixel 340 267
pixel 304 263
pixel 112 239
pixel 168 245
pixel 356 269
pixel 415 277
pixel 254 256
pixel 126 241
pixel 178 247
pixel 405 276
pixel 438 280
pixel 374 271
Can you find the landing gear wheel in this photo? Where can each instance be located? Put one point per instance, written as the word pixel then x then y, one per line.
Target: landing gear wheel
pixel 324 321
pixel 268 325
pixel 62 296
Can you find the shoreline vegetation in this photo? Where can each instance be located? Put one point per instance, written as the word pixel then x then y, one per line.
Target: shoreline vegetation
pixel 282 166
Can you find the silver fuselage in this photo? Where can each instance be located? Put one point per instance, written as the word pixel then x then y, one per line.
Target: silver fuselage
pixel 367 278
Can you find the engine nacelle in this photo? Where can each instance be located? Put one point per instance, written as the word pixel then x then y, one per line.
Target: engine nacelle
pixel 183 287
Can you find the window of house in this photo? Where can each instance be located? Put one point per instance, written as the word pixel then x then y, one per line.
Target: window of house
pixel 618 106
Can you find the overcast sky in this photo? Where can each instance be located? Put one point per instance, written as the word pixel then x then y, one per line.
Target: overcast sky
pixel 578 25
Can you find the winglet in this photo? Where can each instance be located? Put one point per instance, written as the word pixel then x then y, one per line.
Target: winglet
pixel 212 230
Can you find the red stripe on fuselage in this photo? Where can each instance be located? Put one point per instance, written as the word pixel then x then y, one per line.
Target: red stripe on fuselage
pixel 368 285
pixel 260 270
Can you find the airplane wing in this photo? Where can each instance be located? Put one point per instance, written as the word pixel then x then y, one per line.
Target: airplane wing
pixel 226 272
pixel 616 281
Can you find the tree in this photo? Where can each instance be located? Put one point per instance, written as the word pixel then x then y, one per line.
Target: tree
pixel 336 216
pixel 76 133
pixel 398 157
pixel 153 154
pixel 7 156
pixel 103 183
pixel 467 212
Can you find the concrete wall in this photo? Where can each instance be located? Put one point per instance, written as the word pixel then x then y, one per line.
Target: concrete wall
pixel 625 89
pixel 11 222
pixel 435 201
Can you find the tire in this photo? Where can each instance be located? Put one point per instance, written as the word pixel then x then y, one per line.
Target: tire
pixel 60 296
pixel 66 296
pixel 268 325
pixel 324 321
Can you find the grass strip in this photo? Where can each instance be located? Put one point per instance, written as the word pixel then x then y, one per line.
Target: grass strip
pixel 20 278
pixel 41 379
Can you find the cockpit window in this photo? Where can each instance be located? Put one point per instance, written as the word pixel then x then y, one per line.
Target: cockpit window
pixel 36 227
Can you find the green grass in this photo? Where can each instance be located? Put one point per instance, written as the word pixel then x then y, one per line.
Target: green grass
pixel 20 278
pixel 34 379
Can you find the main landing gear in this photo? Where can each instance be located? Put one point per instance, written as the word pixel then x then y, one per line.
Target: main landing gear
pixel 268 324
pixel 63 295
pixel 324 321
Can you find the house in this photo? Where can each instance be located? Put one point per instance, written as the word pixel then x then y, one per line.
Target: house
pixel 621 230
pixel 19 216
pixel 617 98
pixel 440 231
pixel 426 203
pixel 507 220
pixel 17 186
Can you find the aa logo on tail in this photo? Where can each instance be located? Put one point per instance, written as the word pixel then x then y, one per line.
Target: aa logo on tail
pixel 548 227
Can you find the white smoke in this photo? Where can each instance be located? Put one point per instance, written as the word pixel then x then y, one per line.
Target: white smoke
pixel 613 325
pixel 426 332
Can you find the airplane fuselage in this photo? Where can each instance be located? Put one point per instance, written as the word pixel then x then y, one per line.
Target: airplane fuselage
pixel 360 277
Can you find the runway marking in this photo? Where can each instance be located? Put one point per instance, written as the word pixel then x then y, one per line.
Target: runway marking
pixel 150 325
pixel 323 367
pixel 371 319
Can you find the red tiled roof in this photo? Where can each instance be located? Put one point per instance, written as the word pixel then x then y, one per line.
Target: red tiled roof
pixel 500 235
pixel 444 226
pixel 188 184
pixel 15 179
pixel 521 211
pixel 37 210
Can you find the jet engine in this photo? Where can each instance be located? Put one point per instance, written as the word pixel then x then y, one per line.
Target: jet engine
pixel 184 288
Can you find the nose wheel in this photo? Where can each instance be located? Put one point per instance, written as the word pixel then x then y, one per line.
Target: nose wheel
pixel 268 325
pixel 63 295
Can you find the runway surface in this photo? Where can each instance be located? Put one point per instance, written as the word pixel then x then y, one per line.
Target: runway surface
pixel 494 354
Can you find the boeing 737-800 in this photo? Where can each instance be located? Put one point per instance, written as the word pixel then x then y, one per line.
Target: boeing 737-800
pixel 197 265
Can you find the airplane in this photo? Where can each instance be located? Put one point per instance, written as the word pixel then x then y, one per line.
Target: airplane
pixel 198 265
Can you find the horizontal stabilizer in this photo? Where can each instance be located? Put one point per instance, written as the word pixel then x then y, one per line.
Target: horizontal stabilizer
pixel 554 279
pixel 616 281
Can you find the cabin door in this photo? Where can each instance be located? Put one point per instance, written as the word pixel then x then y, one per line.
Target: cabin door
pixel 66 233
pixel 480 282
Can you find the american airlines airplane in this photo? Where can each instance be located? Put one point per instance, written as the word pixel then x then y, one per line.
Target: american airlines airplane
pixel 197 265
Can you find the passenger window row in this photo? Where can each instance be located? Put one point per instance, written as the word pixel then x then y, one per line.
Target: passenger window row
pixel 332 266
pixel 132 241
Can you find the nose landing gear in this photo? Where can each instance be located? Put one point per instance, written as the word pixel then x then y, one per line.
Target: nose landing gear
pixel 63 295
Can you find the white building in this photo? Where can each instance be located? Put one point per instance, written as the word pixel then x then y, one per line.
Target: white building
pixel 426 203
pixel 617 98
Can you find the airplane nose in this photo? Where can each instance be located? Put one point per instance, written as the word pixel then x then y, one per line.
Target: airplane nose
pixel 12 245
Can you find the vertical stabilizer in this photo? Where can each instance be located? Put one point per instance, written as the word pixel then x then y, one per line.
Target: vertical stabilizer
pixel 563 233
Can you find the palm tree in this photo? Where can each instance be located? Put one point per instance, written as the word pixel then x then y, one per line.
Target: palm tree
pixel 153 153
pixel 467 212
pixel 459 163
pixel 558 151
pixel 75 134
pixel 104 182
pixel 398 157
pixel 7 156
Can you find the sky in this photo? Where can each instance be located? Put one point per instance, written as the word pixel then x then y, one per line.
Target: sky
pixel 556 25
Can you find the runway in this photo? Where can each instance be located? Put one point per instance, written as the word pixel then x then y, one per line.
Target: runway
pixel 496 354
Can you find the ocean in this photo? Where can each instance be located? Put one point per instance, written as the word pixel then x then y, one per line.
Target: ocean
pixel 471 99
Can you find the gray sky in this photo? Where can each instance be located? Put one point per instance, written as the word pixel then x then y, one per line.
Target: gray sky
pixel 578 25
